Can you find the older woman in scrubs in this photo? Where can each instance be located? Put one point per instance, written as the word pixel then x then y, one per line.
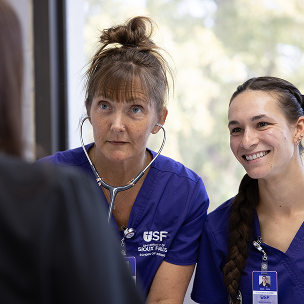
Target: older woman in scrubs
pixel 127 84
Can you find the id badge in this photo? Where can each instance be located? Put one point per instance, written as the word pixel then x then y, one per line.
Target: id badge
pixel 264 287
pixel 131 261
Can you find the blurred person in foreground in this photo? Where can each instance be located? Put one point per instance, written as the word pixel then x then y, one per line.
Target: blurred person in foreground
pixel 56 246
pixel 127 84
pixel 260 231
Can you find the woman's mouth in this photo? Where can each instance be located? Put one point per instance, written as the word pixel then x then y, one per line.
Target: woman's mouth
pixel 255 156
pixel 117 143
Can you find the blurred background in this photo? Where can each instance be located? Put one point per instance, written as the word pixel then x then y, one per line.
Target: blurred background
pixel 214 46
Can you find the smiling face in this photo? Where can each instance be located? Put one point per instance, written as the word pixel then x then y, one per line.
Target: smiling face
pixel 121 129
pixel 260 137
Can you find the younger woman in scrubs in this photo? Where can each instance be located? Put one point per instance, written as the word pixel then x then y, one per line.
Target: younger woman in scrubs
pixel 263 223
pixel 125 100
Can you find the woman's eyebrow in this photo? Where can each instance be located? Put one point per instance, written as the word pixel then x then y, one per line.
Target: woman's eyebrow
pixel 233 122
pixel 257 117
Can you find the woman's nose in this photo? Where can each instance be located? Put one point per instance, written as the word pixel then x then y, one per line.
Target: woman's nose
pixel 118 124
pixel 249 139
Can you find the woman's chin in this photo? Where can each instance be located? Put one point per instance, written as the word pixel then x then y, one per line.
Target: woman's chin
pixel 256 174
pixel 118 157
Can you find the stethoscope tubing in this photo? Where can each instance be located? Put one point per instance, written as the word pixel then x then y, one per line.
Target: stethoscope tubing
pixel 114 190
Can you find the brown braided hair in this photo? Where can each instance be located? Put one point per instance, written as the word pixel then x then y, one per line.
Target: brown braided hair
pixel 126 59
pixel 240 232
pixel 291 104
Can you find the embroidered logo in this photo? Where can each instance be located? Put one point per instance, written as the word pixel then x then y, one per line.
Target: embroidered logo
pixel 154 235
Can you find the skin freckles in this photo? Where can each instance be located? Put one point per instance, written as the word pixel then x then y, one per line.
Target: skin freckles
pixel 260 137
pixel 121 129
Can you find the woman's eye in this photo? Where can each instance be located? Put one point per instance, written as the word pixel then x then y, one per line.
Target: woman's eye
pixel 104 106
pixel 262 124
pixel 235 130
pixel 136 109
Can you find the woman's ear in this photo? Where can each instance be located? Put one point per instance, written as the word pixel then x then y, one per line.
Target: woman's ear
pixel 161 119
pixel 299 129
pixel 163 116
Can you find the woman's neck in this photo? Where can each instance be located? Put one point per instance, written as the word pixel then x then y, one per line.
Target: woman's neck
pixel 282 195
pixel 119 173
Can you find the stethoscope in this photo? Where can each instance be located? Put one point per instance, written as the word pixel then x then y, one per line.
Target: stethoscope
pixel 128 232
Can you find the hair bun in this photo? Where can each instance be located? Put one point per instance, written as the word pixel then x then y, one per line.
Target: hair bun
pixel 136 32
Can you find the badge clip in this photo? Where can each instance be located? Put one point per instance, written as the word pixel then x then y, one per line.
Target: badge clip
pixel 128 232
pixel 264 264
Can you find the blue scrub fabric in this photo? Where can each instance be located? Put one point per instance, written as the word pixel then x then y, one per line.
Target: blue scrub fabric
pixel 209 281
pixel 168 213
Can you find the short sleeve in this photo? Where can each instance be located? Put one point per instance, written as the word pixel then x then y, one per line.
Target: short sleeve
pixel 208 287
pixel 184 247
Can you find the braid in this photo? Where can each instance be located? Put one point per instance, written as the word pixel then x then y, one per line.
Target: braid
pixel 240 232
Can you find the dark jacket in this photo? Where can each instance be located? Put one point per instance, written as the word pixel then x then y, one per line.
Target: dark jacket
pixel 56 244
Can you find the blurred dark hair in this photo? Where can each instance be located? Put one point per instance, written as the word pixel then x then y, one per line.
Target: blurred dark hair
pixel 11 73
pixel 128 61
pixel 291 103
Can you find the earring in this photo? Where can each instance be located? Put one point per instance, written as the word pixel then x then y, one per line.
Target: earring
pixel 299 140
